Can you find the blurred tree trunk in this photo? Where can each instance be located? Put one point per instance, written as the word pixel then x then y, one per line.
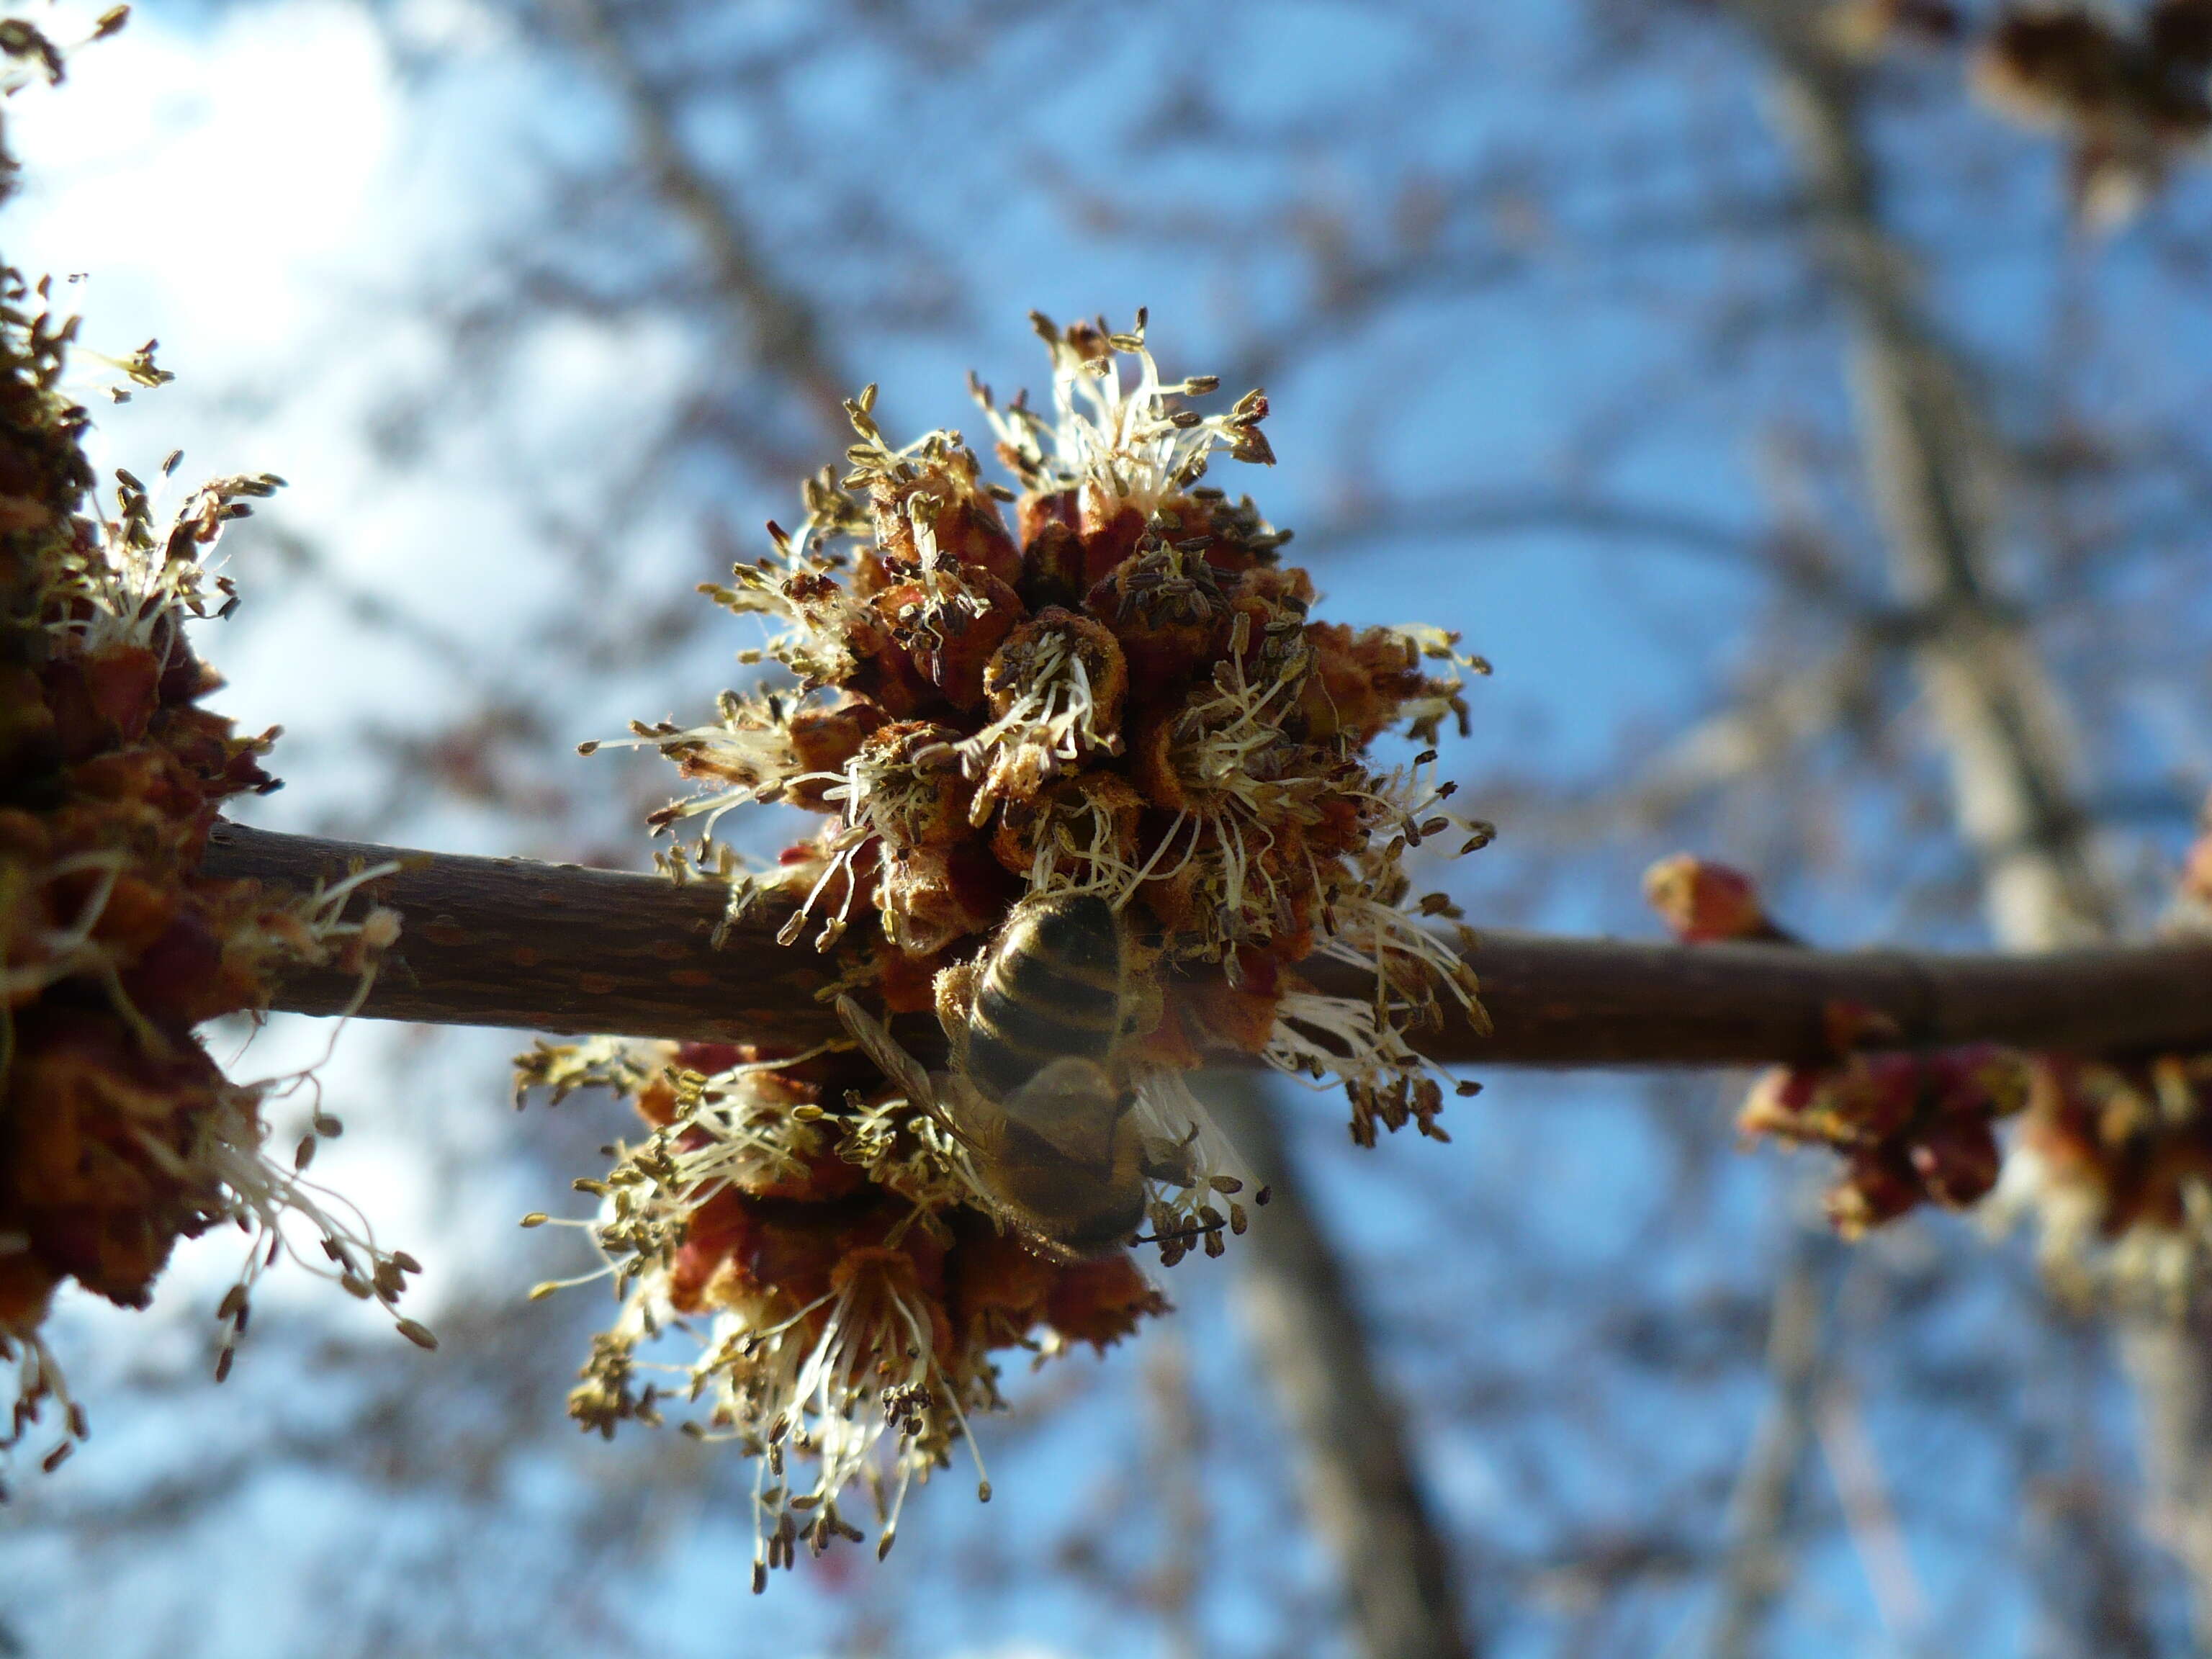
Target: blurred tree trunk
pixel 1362 1496
pixel 1772 1493
pixel 1936 473
pixel 1177 1453
pixel 1936 476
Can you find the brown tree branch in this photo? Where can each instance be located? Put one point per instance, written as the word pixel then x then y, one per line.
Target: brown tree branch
pixel 559 948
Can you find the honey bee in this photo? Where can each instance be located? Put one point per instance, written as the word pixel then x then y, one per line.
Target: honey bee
pixel 1033 1091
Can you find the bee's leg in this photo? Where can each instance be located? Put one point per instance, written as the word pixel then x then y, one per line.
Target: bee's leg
pixel 1181 1235
pixel 1165 1161
pixel 1143 1010
pixel 955 989
pixel 1171 1161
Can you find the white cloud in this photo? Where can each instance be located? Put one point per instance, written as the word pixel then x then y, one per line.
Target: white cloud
pixel 202 175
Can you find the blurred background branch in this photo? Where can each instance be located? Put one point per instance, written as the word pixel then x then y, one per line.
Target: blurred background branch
pixel 1937 475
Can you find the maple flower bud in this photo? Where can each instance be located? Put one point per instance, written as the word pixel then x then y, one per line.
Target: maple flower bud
pixel 1956 1159
pixel 2193 888
pixel 2130 101
pixel 1914 1127
pixel 1056 688
pixel 1878 1185
pixel 1701 901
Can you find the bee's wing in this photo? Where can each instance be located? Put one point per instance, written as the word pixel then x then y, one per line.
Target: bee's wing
pixel 1074 1105
pixel 900 1066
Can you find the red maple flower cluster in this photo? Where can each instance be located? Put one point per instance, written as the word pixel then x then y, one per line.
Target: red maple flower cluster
pixel 118 1134
pixel 1912 1127
pixel 1113 696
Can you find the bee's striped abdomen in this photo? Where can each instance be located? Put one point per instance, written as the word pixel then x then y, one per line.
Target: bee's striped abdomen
pixel 1052 987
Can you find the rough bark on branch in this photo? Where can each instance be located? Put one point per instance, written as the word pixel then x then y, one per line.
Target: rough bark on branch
pixel 549 947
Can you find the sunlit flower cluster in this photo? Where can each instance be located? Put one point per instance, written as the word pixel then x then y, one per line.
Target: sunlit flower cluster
pixel 1099 689
pixel 1913 1128
pixel 1121 693
pixel 2115 1164
pixel 846 1298
pixel 118 1134
pixel 2114 1161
